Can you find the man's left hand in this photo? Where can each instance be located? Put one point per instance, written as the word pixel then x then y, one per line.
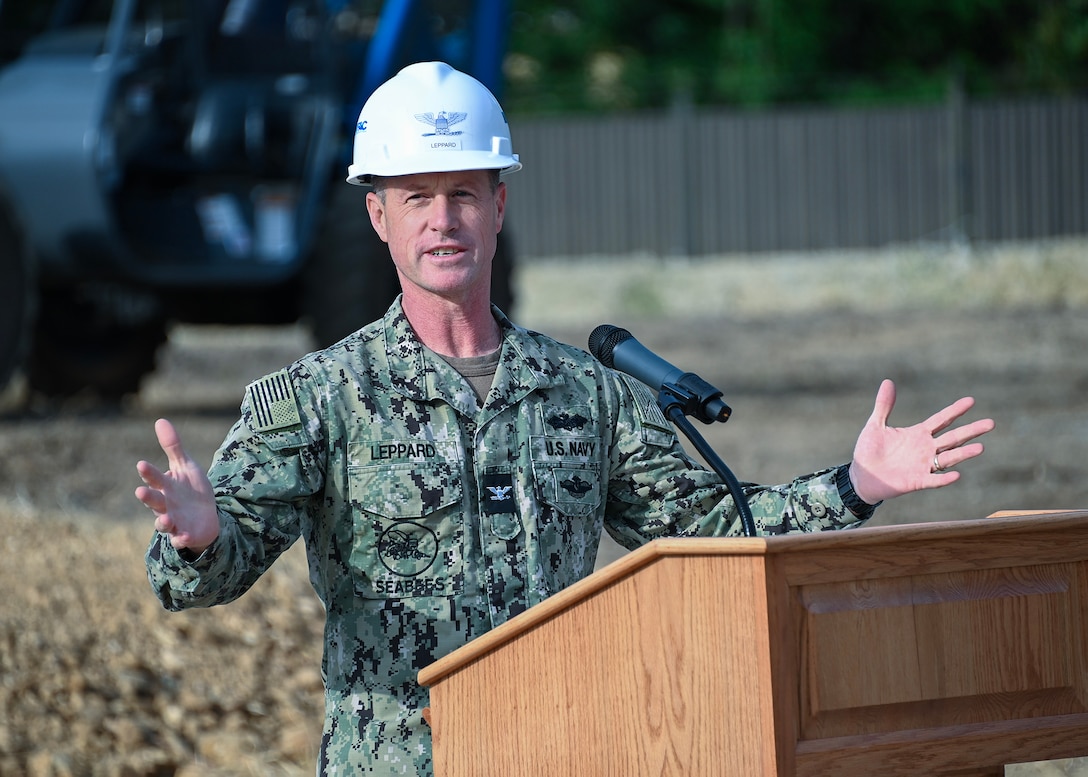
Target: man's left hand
pixel 892 461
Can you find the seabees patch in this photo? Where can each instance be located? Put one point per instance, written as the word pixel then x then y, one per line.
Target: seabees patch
pixel 272 400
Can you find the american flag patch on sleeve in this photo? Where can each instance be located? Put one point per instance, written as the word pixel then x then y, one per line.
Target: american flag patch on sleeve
pixel 645 405
pixel 272 401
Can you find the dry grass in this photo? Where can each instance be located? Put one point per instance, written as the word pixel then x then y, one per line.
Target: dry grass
pixel 1051 275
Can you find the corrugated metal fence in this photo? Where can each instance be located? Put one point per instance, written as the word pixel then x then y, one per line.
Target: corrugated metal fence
pixel 693 183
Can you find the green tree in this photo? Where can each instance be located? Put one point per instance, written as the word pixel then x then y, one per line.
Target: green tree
pixel 603 55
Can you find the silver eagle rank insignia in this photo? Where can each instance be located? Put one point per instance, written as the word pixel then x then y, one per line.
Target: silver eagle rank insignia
pixel 441 122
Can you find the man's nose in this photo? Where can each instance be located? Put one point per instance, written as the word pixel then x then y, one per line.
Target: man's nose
pixel 443 214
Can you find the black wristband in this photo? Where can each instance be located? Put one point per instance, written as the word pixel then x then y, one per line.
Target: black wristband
pixel 850 499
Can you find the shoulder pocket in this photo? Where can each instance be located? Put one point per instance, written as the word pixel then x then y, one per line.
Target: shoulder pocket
pixel 274 412
pixel 654 428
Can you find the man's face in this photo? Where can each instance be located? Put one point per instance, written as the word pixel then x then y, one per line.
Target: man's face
pixel 441 229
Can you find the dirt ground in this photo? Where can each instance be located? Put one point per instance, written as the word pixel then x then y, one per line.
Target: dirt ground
pixel 95 679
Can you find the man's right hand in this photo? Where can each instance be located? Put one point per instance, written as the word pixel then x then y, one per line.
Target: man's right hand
pixel 181 498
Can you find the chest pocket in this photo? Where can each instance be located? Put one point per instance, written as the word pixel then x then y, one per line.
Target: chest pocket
pixel 567 474
pixel 407 533
pixel 573 490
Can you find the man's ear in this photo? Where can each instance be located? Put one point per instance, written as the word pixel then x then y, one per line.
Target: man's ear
pixel 376 209
pixel 500 204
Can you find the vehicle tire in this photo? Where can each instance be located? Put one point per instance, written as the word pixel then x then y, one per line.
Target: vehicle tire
pixel 350 279
pixel 17 299
pixel 82 347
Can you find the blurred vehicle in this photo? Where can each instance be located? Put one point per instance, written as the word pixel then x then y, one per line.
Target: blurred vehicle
pixel 169 161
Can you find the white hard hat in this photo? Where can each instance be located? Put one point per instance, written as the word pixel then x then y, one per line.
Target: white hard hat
pixel 430 118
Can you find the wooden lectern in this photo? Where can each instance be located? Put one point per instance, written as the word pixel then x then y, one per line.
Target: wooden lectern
pixel 948 648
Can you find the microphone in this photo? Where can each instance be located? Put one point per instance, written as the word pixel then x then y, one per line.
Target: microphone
pixel 618 348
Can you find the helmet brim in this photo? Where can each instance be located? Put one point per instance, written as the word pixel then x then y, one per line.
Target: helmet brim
pixel 360 175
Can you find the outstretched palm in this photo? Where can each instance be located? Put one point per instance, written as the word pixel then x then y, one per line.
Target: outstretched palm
pixel 181 497
pixel 891 461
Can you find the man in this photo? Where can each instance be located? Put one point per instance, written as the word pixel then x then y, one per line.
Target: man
pixel 448 469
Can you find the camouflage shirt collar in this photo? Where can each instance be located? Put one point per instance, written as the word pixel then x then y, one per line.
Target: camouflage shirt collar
pixel 525 364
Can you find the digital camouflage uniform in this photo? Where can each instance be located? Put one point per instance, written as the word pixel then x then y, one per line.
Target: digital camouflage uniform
pixel 429 520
